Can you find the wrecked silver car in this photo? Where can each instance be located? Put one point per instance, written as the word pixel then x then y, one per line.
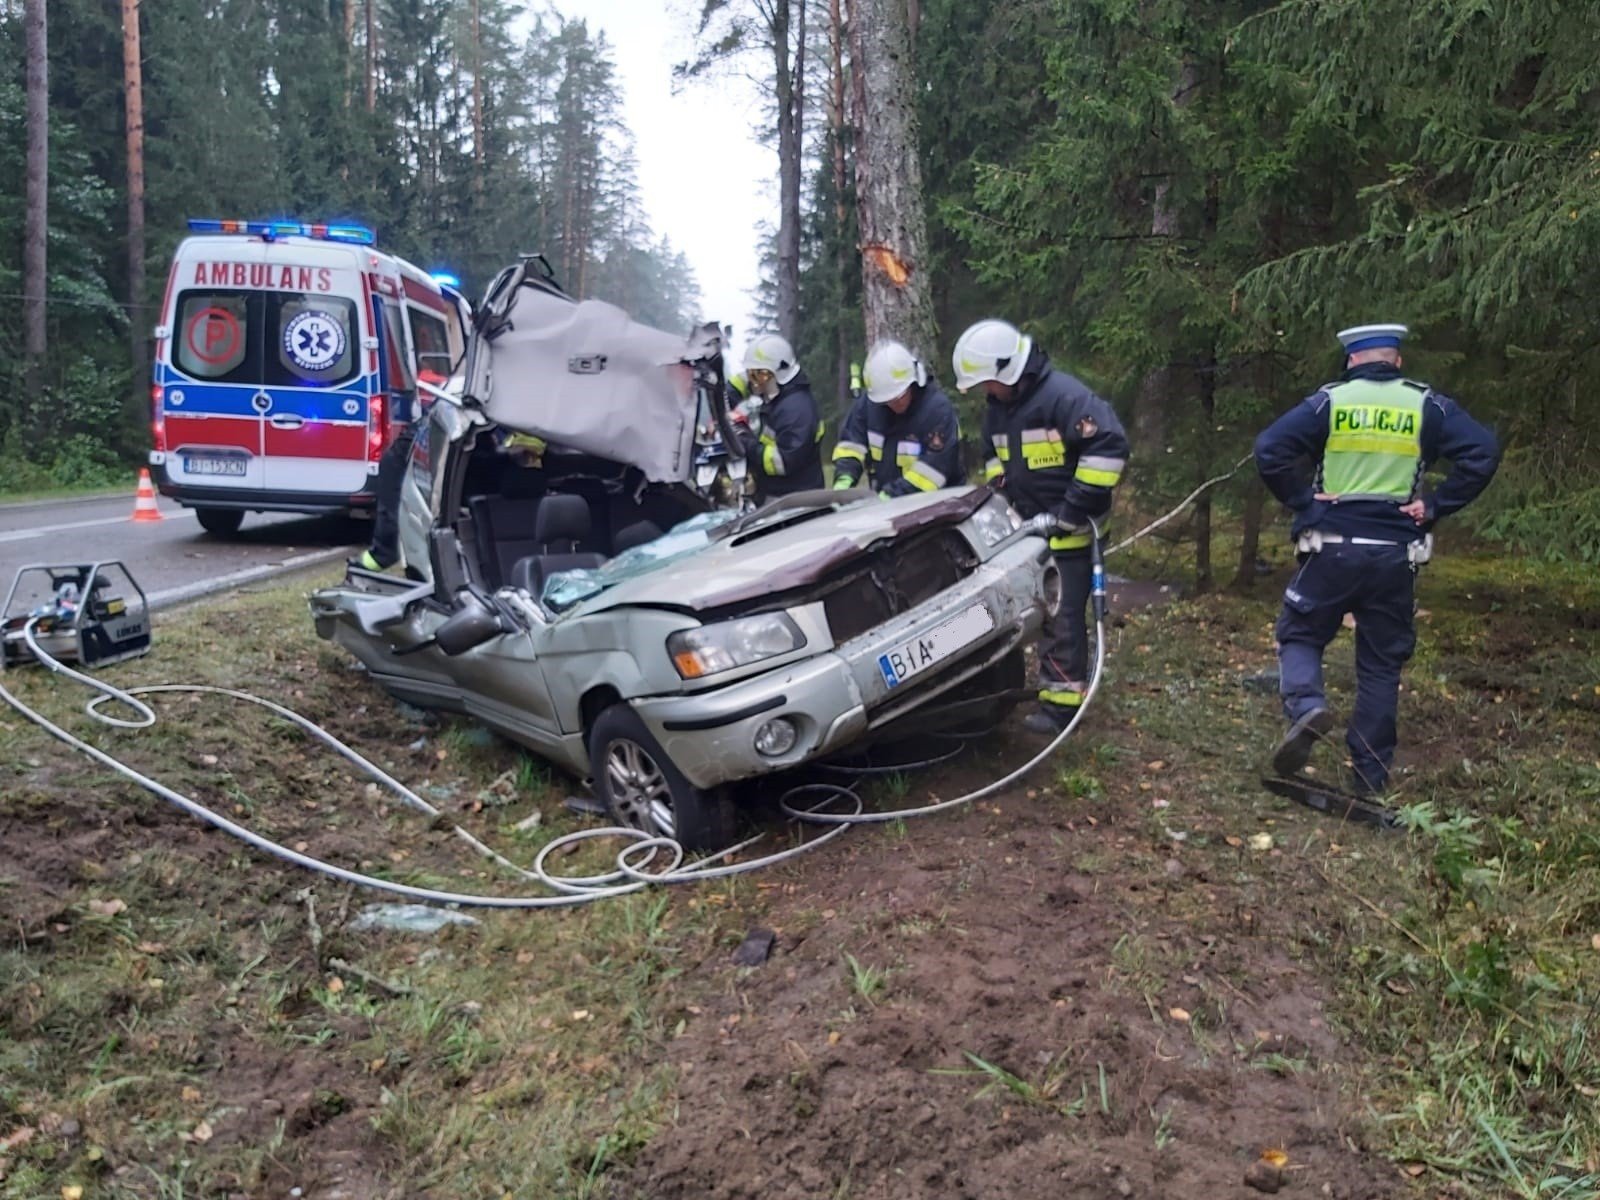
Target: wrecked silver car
pixel 572 584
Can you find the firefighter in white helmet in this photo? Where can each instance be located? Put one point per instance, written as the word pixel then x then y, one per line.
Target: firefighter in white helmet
pixel 906 437
pixel 785 455
pixel 1054 447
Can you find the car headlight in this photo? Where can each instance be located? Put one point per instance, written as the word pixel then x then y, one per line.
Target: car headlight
pixel 996 521
pixel 729 644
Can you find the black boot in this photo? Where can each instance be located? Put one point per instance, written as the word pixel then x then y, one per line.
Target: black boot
pixel 1292 754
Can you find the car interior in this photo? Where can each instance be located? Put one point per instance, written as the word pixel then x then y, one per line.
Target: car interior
pixel 525 519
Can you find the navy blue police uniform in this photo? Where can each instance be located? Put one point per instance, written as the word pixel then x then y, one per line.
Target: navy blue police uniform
pixel 1362 443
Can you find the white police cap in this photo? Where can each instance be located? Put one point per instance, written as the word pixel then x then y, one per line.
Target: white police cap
pixel 1371 337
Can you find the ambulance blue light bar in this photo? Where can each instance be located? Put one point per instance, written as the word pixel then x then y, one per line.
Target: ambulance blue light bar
pixel 355 235
pixel 445 279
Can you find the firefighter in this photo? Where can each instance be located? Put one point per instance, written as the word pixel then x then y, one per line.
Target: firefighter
pixel 906 437
pixel 1361 524
pixel 783 444
pixel 385 549
pixel 1055 448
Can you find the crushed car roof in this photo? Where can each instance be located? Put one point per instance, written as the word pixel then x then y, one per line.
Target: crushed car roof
pixel 585 375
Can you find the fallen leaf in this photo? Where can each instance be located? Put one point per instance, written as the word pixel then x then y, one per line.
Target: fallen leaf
pixel 202 1132
pixel 833 1037
pixel 1235 842
pixel 18 1137
pixel 150 947
pixel 1261 841
pixel 1595 941
pixel 191 1094
pixel 335 984
pixel 1178 1014
pixel 524 957
pixel 1274 1157
pixel 1414 1169
pixel 1157 765
pixel 209 760
pixel 71 1191
pixel 580 1014
pixel 107 908
pixel 1397 987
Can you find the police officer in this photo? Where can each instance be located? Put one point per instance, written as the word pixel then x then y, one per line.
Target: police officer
pixel 1057 448
pixel 785 454
pixel 1361 522
pixel 907 429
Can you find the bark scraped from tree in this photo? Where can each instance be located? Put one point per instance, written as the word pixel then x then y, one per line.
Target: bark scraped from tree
pixel 897 297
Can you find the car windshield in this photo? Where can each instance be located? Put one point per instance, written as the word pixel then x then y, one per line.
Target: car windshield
pixel 568 588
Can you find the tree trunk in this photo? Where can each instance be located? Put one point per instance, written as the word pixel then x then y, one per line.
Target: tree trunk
pixel 1207 381
pixel 789 93
pixel 349 59
pixel 477 105
pixel 133 101
pixel 372 60
pixel 896 293
pixel 36 223
pixel 836 127
pixel 1255 497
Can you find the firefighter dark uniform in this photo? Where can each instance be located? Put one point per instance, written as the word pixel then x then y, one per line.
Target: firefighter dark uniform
pixel 1370 436
pixel 787 454
pixel 1058 448
pixel 915 451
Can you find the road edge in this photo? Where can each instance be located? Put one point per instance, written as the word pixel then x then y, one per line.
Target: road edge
pixel 173 597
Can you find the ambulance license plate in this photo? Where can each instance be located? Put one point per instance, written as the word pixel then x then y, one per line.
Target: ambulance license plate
pixel 220 464
pixel 939 643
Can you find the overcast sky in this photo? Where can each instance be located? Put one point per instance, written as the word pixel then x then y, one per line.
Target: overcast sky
pixel 703 176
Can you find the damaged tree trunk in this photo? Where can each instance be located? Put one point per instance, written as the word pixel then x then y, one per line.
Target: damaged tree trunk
pixel 897 300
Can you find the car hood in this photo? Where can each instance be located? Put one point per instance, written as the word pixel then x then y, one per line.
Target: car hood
pixel 763 559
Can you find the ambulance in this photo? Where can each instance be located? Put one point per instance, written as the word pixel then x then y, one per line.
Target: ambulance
pixel 286 361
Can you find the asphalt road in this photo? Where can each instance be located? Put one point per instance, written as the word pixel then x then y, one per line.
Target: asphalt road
pixel 172 559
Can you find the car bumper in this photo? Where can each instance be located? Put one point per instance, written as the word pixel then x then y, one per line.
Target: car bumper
pixel 839 697
pixel 261 499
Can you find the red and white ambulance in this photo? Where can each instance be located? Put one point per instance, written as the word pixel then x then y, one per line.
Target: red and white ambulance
pixel 286 361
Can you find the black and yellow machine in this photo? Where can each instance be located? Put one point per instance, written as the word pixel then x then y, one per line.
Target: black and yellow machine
pixel 89 613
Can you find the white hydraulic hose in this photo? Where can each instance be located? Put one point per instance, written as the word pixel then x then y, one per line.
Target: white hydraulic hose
pixel 630 875
pixel 570 890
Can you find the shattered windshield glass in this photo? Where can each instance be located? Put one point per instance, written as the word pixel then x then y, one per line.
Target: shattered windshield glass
pixel 567 588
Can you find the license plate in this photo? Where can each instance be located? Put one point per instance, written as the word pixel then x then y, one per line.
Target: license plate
pixel 940 642
pixel 213 465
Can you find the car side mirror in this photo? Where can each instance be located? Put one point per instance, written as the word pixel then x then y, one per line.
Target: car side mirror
pixel 472 624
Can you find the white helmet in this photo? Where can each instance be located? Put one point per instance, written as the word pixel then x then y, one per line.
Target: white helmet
pixel 769 352
pixel 891 369
pixel 990 350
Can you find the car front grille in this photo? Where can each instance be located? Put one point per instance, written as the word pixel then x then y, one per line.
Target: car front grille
pixel 895 579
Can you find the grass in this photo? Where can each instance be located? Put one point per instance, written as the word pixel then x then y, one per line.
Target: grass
pixel 527 1055
pixel 176 1008
pixel 1465 951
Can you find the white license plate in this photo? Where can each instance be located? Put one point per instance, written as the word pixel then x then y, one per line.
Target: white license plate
pixel 939 643
pixel 213 465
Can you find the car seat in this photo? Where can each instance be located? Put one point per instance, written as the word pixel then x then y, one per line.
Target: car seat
pixel 562 523
pixel 506 530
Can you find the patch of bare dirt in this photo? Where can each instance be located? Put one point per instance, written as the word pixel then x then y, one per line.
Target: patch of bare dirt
pixel 1158 1031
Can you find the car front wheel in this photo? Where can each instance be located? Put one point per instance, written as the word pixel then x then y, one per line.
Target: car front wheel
pixel 223 522
pixel 642 789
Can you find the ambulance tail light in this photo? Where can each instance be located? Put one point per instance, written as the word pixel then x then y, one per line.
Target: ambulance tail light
pixel 377 426
pixel 158 419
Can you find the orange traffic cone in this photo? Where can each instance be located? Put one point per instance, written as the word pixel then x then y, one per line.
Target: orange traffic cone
pixel 144 505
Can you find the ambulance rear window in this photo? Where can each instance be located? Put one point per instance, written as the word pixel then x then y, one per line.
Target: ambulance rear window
pixel 211 340
pixel 311 339
pixel 266 338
